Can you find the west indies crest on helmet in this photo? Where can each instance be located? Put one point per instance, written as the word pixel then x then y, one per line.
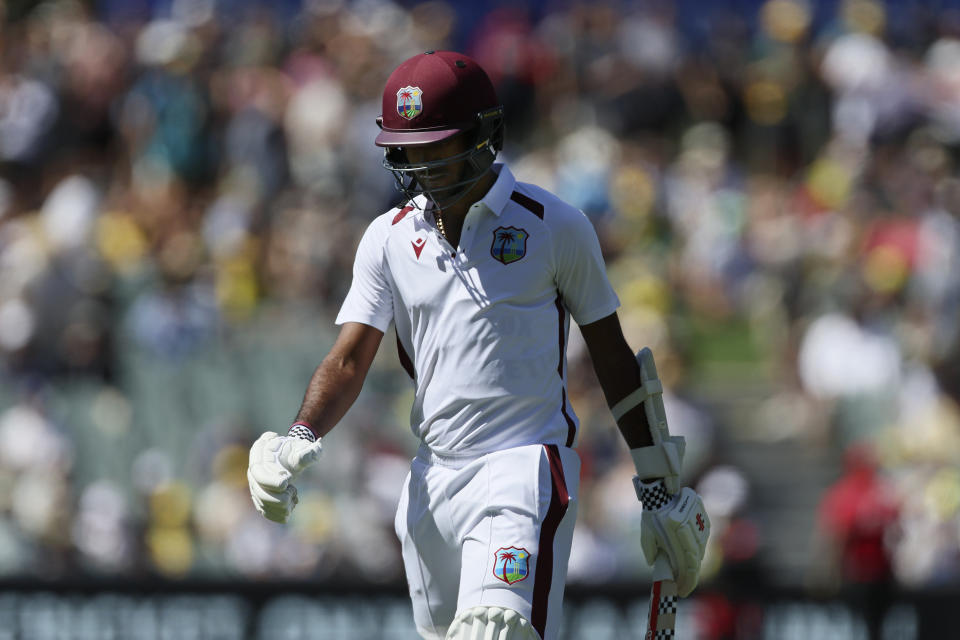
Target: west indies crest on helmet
pixel 428 99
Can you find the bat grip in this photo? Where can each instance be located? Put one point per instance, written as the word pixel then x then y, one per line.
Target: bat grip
pixel 661 568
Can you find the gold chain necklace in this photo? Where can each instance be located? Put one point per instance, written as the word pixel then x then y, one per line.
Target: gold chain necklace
pixel 440 226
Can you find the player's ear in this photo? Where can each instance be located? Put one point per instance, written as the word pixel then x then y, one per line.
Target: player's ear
pixel 380 121
pixel 397 155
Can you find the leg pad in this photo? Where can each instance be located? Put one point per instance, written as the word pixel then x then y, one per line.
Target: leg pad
pixel 491 623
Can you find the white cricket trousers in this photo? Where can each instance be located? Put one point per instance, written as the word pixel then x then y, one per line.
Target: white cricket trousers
pixel 492 530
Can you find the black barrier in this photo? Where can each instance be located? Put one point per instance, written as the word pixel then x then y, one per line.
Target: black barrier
pixel 115 610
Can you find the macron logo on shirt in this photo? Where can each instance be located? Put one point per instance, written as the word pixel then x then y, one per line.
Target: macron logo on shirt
pixel 418 246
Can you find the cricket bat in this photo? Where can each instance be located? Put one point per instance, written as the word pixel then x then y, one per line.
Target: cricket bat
pixel 662 615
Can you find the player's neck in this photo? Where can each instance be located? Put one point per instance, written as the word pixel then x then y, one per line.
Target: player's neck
pixel 452 216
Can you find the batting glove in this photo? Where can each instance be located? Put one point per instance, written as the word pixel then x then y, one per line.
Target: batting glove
pixel 275 461
pixel 676 525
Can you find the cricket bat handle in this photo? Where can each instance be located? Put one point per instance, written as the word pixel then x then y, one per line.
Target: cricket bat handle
pixel 662 618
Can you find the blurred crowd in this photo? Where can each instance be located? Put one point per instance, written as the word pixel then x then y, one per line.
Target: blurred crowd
pixel 183 184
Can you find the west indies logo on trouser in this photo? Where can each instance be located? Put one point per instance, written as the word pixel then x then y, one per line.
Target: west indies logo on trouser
pixel 511 564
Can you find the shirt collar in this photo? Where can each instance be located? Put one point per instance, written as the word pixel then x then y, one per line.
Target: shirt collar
pixel 496 198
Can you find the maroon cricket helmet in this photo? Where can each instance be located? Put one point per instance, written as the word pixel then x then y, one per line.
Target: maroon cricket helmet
pixel 431 97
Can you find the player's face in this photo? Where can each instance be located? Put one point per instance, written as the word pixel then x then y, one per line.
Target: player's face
pixel 438 178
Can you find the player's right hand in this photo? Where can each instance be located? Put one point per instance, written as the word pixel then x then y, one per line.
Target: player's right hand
pixel 275 461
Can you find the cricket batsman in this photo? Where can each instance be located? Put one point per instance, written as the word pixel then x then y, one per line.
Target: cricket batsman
pixel 480 275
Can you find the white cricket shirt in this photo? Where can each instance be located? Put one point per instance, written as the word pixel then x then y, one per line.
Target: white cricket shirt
pixel 482 328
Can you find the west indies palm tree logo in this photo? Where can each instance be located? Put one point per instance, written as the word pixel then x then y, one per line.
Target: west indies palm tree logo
pixel 509 244
pixel 409 103
pixel 511 564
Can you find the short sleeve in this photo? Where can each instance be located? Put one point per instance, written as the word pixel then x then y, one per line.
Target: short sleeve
pixel 580 271
pixel 370 299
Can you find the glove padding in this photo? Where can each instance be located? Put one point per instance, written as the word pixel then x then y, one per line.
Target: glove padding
pixel 677 526
pixel 275 461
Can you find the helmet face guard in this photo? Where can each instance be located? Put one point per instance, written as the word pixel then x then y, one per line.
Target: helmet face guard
pixel 485 140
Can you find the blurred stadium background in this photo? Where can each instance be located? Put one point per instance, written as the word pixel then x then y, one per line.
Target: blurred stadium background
pixel 182 186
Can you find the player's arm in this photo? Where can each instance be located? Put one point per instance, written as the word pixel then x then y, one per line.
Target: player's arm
pixel 275 460
pixel 618 373
pixel 627 392
pixel 336 383
pixel 364 317
pixel 675 524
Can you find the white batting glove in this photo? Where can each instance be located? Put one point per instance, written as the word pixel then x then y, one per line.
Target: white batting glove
pixel 677 526
pixel 275 461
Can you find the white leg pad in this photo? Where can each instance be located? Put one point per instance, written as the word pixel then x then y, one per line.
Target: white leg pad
pixel 491 623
